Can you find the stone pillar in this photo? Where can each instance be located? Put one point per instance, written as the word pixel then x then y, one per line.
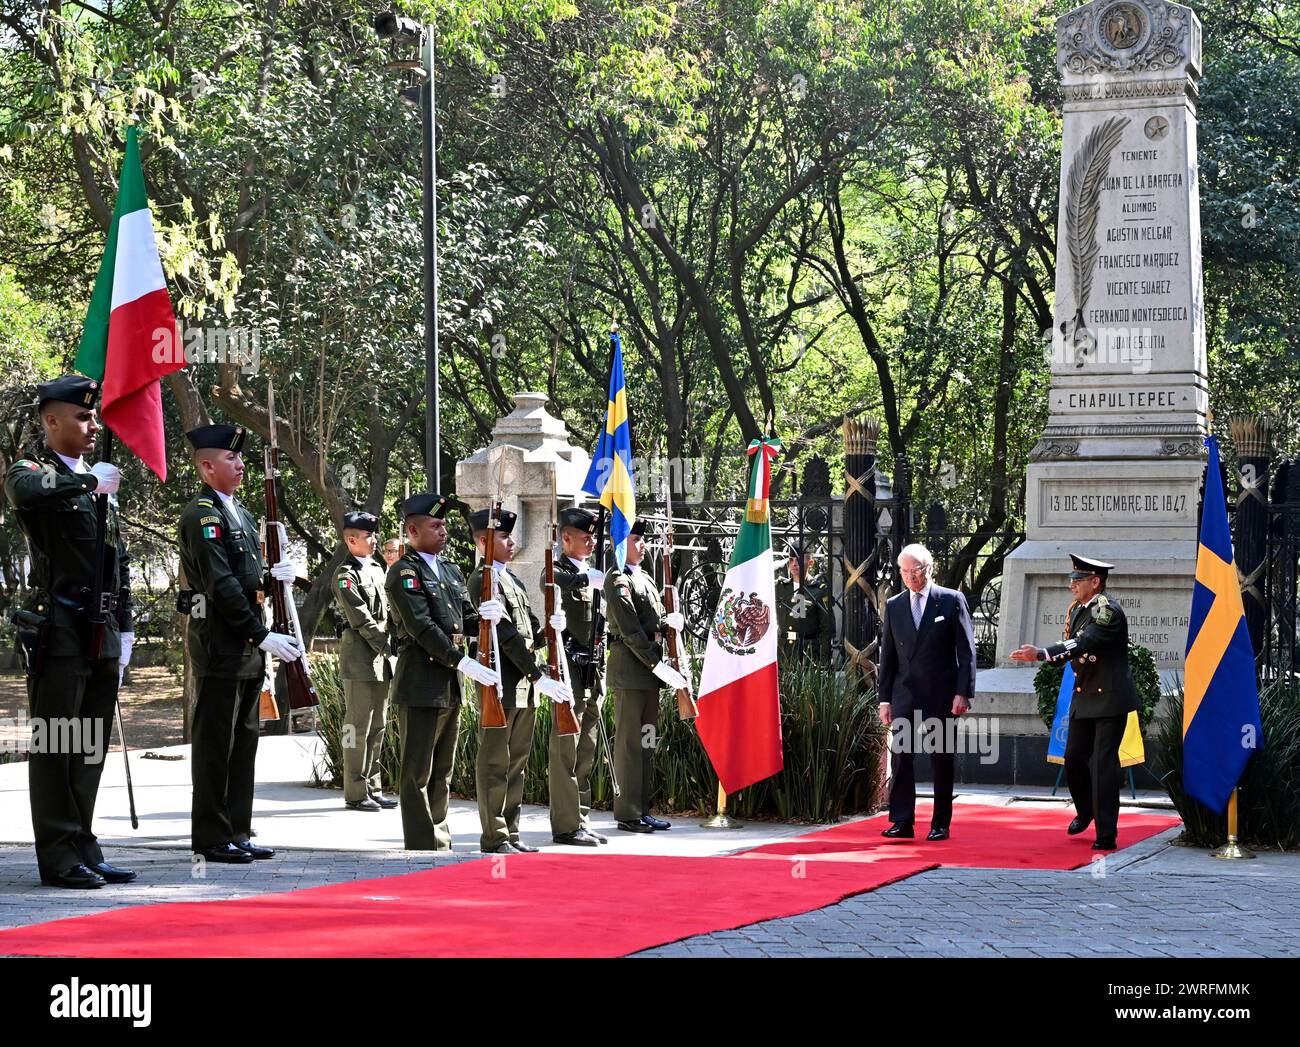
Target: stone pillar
pixel 531 446
pixel 1116 473
pixel 1252 437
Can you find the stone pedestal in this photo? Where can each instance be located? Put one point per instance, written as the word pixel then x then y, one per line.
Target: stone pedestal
pixel 1117 472
pixel 531 446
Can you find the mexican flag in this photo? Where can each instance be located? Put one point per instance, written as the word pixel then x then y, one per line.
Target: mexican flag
pixel 740 710
pixel 130 339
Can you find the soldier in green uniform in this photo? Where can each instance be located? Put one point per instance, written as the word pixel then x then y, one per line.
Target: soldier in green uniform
pixel 53 496
pixel 637 673
pixel 572 758
pixel 803 611
pixel 365 663
pixel 1096 641
pixel 227 640
pixel 503 751
pixel 432 613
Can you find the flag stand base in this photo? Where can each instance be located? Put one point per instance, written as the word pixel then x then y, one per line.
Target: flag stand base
pixel 721 820
pixel 1232 849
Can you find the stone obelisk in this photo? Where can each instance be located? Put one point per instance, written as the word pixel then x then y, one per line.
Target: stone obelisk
pixel 1117 471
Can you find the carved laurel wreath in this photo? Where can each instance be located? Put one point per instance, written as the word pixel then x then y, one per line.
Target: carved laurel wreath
pixel 1088 172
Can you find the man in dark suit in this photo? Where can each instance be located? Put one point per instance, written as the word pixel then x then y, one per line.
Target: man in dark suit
pixel 927 673
pixel 1096 639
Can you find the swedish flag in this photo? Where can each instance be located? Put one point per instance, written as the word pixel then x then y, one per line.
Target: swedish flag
pixel 610 475
pixel 1221 726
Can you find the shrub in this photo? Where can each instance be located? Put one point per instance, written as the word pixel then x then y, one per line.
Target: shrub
pixel 1269 799
pixel 832 737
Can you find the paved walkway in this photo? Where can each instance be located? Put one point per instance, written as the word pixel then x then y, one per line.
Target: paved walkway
pixel 1152 899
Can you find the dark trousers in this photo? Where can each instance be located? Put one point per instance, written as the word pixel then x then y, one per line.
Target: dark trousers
pixel 63 784
pixel 902 789
pixel 636 720
pixel 428 758
pixel 569 763
pixel 1092 770
pixel 222 760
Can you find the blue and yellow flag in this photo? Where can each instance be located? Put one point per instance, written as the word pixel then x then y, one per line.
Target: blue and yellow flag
pixel 1132 750
pixel 610 475
pixel 1061 721
pixel 1221 725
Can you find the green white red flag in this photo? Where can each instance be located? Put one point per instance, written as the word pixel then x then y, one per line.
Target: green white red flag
pixel 740 707
pixel 130 316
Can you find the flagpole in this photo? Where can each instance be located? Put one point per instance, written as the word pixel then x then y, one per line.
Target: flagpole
pixel 1232 849
pixel 99 618
pixel 721 820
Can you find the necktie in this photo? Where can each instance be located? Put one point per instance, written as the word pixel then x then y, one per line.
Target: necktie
pixel 433 566
pixel 918 608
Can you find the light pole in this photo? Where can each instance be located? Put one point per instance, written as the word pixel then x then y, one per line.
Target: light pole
pixel 407 31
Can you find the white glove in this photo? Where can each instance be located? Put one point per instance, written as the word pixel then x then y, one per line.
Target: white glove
pixel 670 676
pixel 555 690
pixel 559 621
pixel 124 659
pixel 285 571
pixel 282 646
pixel 478 672
pixel 492 610
pixel 108 477
pixel 597 578
pixel 674 621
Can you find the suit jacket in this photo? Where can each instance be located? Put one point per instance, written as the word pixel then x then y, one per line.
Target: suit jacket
pixel 222 558
pixel 1097 642
pixel 432 618
pixel 55 509
pixel 366 649
pixel 923 669
pixel 519 633
pixel 635 610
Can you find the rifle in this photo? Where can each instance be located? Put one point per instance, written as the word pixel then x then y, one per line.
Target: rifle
pixel 566 723
pixel 284 612
pixel 267 708
pixel 401 526
pixel 686 707
pixel 492 713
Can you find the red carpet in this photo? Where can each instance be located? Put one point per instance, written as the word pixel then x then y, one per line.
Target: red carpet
pixel 983 837
pixel 542 905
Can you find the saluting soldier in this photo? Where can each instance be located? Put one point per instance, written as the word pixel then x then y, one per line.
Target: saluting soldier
pixel 1096 641
pixel 53 496
pixel 223 565
pixel 637 673
pixel 803 611
pixel 572 757
pixel 503 751
pixel 432 614
pixel 365 663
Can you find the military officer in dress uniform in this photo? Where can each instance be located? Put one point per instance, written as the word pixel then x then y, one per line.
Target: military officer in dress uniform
pixel 365 663
pixel 803 612
pixel 503 751
pixel 432 613
pixel 53 495
pixel 228 639
pixel 572 758
pixel 637 672
pixel 1096 641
